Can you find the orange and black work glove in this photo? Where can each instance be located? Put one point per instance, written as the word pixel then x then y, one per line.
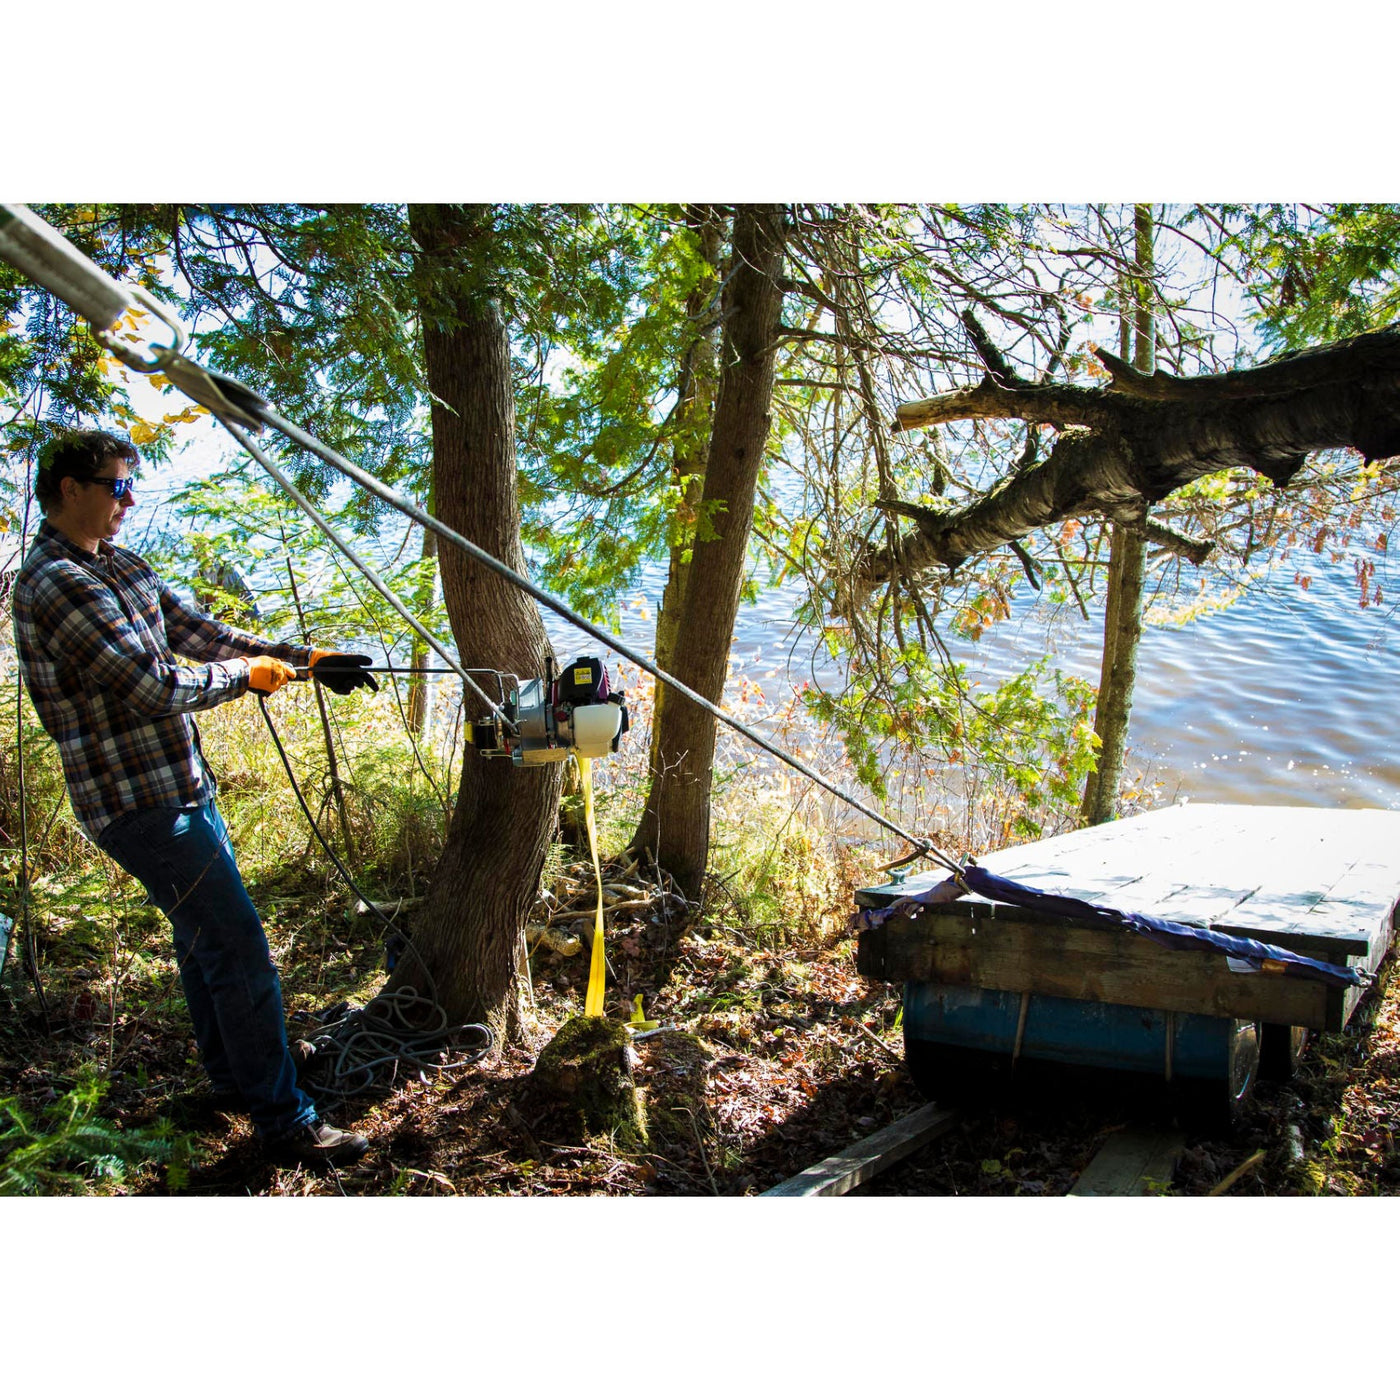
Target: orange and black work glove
pixel 267 673
pixel 342 671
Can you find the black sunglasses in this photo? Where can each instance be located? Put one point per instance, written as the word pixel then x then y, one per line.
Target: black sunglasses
pixel 120 485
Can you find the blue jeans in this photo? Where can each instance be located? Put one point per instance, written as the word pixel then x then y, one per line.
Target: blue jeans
pixel 184 858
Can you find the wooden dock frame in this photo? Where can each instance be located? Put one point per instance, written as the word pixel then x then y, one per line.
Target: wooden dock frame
pixel 1317 881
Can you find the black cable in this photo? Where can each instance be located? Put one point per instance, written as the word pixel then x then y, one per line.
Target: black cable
pixel 350 1051
pixel 324 668
pixel 399 1028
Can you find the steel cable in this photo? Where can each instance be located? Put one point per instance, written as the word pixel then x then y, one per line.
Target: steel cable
pixel 303 439
pixel 397 1029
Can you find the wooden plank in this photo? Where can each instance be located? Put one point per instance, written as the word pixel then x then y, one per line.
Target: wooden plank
pixel 1049 959
pixel 859 1162
pixel 1183 900
pixel 1356 911
pixel 1131 1163
pixel 1306 858
pixel 1102 848
pixel 1334 947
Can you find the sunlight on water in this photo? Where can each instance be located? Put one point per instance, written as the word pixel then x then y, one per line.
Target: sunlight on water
pixel 1287 697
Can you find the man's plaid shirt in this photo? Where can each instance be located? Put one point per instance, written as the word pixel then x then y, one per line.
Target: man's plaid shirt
pixel 97 636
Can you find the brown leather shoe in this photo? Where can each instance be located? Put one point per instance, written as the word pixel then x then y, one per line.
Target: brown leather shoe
pixel 318 1144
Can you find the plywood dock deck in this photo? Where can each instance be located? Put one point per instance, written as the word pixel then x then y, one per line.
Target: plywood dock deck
pixel 1319 881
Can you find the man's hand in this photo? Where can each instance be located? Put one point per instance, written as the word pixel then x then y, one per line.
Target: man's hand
pixel 267 673
pixel 341 671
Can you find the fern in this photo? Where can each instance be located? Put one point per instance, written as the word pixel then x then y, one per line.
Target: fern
pixel 66 1146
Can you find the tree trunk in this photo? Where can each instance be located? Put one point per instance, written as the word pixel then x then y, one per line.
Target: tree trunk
pixel 1122 625
pixel 676 822
pixel 1121 634
pixel 694 417
pixel 468 935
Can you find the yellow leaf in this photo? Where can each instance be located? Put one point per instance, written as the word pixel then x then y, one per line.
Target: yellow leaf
pixel 143 434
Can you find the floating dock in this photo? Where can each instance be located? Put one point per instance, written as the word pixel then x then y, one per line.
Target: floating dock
pixel 991 979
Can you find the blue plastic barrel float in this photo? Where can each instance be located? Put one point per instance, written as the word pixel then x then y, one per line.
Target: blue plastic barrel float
pixel 963 1041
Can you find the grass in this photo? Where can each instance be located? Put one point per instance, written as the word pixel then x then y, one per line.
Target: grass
pixel 105 956
pixel 773 1074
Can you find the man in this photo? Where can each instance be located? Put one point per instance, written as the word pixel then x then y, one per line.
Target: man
pixel 97 632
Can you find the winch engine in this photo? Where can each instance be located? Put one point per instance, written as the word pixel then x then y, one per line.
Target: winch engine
pixel 575 711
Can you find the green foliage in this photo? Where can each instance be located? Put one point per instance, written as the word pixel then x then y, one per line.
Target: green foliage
pixel 320 308
pixel 55 844
pixel 775 868
pixel 1318 272
pixel 398 800
pixel 239 516
pixel 66 1148
pixel 602 431
pixel 54 375
pixel 1037 747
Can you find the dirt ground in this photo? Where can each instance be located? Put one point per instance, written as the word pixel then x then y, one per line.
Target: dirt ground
pixel 770 1057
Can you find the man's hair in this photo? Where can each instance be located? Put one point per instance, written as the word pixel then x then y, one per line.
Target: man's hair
pixel 79 455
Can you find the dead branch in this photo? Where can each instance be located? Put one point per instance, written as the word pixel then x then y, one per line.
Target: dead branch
pixel 1196 550
pixel 1131 444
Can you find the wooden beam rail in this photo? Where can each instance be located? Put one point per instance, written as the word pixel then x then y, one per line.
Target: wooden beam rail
pixel 846 1170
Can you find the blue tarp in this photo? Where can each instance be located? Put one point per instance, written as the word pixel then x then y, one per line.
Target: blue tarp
pixel 976 880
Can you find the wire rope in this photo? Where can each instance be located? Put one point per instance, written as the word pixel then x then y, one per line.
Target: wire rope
pixel 366 569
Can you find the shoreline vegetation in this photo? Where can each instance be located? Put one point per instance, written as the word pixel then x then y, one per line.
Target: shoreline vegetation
pixel 908 413
pixel 785 1054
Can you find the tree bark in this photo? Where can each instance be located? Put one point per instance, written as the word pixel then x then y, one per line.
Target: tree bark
pixel 1122 627
pixel 467 938
pixel 1118 677
pixel 694 418
pixel 676 822
pixel 422 605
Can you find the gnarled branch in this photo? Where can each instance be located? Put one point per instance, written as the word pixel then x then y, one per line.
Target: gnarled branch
pixel 1188 546
pixel 1130 445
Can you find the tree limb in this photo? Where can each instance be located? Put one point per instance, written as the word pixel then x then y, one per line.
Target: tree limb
pixel 990 356
pixel 1063 405
pixel 1130 445
pixel 1189 547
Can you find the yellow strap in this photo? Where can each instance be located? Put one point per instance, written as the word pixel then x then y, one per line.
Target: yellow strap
pixel 638 1020
pixel 598 967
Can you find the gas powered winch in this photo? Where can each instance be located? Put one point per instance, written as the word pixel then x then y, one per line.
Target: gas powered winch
pixel 545 720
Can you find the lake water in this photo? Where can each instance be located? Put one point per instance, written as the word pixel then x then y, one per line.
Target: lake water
pixel 1286 697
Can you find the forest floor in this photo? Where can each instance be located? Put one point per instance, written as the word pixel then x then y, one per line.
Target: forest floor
pixel 781 1054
